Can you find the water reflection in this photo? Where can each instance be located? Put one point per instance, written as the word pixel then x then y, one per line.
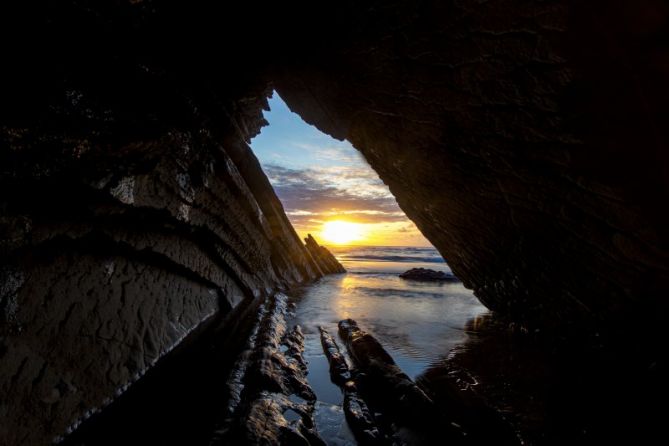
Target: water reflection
pixel 418 323
pixel 552 391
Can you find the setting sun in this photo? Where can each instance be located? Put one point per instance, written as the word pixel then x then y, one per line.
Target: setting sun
pixel 342 232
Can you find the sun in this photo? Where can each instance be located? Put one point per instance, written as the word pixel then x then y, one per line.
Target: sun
pixel 342 232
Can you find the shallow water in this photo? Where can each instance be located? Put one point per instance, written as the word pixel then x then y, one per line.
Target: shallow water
pixel 417 322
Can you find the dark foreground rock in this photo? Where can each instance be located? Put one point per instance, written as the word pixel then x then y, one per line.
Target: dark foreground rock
pixel 270 400
pixel 125 234
pixel 427 275
pixel 404 397
pixel 339 371
pixel 358 415
pixel 455 417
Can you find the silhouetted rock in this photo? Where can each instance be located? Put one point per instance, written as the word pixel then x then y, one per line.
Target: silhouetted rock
pixel 455 416
pixel 327 262
pixel 360 418
pixel 427 275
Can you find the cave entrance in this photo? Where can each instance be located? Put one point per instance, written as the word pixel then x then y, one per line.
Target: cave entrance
pixel 326 186
pixel 330 191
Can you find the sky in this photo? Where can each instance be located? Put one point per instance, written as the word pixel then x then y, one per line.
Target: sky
pixel 326 186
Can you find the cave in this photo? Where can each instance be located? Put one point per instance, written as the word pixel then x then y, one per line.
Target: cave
pixel 526 140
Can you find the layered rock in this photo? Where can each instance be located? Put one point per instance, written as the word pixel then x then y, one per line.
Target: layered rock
pixel 410 412
pixel 111 271
pixel 327 263
pixel 402 396
pixel 270 400
pixel 132 217
pixel 358 415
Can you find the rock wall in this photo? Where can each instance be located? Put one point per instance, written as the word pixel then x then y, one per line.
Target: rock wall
pixel 133 214
pixel 526 140
pixel 104 275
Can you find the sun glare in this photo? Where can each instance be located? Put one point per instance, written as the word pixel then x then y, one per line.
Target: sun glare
pixel 342 232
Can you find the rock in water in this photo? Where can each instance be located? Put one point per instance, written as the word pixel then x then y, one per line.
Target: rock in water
pixel 339 372
pixel 322 257
pixel 391 384
pixel 358 415
pixel 427 275
pixel 270 400
pixel 454 420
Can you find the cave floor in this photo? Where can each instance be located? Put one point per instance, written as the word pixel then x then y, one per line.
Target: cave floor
pixel 417 323
pixel 547 391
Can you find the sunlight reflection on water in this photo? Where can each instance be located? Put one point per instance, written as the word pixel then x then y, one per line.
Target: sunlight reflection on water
pixel 417 322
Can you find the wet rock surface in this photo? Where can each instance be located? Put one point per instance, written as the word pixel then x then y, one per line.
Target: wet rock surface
pixel 410 414
pixel 271 401
pixel 402 397
pixel 554 393
pixel 182 399
pixel 358 415
pixel 339 371
pixel 427 275
pixel 123 232
pixel 115 271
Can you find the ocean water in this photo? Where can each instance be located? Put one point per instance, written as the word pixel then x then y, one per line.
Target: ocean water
pixel 418 323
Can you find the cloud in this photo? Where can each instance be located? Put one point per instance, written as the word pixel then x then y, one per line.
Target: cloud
pixel 299 213
pixel 338 154
pixel 323 193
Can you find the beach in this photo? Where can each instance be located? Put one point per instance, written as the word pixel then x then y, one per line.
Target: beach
pixel 418 323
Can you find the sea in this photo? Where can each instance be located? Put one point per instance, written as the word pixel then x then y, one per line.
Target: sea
pixel 418 323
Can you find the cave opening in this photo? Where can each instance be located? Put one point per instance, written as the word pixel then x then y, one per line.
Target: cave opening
pixel 327 187
pixel 396 286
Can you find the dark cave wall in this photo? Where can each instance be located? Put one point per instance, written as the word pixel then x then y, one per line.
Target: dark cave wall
pixel 134 214
pixel 104 275
pixel 527 141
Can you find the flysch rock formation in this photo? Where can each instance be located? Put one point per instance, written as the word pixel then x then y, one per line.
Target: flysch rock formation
pixel 324 258
pixel 122 232
pixel 359 417
pixel 409 413
pixel 270 400
pixel 527 141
